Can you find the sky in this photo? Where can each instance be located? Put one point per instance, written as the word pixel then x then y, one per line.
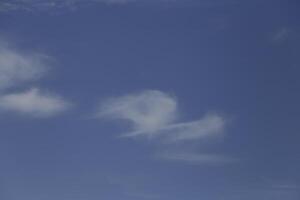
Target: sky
pixel 149 100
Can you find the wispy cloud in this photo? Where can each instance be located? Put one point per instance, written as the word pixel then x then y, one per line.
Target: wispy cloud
pixel 33 102
pixel 17 68
pixel 196 158
pixel 287 186
pixel 281 35
pixel 148 111
pixel 282 184
pixel 155 114
pixel 33 5
pixel 42 5
pixel 20 69
pixel 133 186
pixel 208 126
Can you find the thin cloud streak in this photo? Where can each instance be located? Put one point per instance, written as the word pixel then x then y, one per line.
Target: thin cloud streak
pixel 210 125
pixel 196 158
pixel 45 5
pixel 281 35
pixel 42 5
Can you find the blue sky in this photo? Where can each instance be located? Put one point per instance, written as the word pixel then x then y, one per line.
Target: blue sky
pixel 139 99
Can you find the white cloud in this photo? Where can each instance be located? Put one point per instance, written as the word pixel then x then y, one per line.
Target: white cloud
pixel 34 103
pixel 208 126
pixel 148 111
pixel 155 114
pixel 196 158
pixel 16 67
pixel 20 68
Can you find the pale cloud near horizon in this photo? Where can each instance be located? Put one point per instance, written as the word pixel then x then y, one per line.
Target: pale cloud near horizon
pixel 155 114
pixel 34 103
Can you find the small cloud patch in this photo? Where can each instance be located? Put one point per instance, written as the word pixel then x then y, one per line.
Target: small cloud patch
pixel 33 102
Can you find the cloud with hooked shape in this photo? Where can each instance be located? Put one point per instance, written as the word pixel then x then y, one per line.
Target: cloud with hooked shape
pixel 16 67
pixel 34 103
pixel 148 111
pixel 153 113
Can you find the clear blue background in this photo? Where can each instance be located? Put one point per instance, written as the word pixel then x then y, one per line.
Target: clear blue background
pixel 218 56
